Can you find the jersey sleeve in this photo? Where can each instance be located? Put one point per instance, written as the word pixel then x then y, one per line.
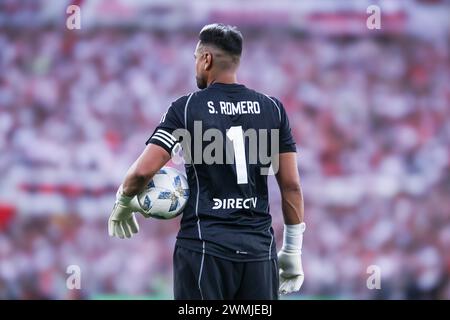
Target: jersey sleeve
pixel 171 120
pixel 287 142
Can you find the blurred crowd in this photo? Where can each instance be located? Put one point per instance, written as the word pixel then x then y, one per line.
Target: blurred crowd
pixel 371 117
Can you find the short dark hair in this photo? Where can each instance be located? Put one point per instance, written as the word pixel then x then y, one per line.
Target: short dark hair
pixel 224 37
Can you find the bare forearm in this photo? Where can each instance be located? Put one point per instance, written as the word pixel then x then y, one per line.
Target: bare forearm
pixel 134 182
pixel 292 205
pixel 291 191
pixel 143 169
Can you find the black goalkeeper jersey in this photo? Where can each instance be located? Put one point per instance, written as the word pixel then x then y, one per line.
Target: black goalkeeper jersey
pixel 230 130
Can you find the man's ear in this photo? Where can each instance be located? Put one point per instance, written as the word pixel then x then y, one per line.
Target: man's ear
pixel 208 61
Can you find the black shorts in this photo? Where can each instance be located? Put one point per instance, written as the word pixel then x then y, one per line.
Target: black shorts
pixel 203 276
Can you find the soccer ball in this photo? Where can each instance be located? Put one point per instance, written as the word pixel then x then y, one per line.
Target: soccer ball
pixel 165 195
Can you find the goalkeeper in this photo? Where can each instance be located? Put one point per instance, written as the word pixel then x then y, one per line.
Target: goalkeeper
pixel 225 248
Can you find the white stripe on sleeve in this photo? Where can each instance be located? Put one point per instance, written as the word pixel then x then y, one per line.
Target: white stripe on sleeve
pixel 163 141
pixel 166 134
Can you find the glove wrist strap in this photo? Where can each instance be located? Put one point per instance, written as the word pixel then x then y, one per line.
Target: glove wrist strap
pixel 293 238
pixel 123 199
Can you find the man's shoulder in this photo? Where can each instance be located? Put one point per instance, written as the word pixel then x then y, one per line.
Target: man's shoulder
pixel 264 97
pixel 181 101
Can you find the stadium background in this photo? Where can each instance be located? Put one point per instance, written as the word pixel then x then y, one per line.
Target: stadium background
pixel 369 109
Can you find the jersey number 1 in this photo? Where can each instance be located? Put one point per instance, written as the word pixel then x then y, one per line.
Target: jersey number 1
pixel 236 135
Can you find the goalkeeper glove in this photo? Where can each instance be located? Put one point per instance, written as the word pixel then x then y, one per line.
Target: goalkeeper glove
pixel 122 222
pixel 290 259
